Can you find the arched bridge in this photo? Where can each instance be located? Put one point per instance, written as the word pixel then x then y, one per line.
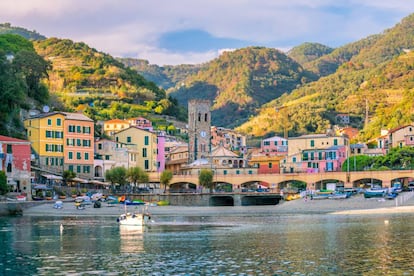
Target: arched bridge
pixel 312 180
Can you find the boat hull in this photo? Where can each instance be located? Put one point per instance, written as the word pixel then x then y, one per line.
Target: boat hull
pixel 375 193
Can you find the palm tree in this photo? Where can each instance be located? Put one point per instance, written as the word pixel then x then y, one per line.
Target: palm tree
pixel 165 178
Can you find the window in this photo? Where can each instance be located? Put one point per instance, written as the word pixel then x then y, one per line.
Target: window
pixel 70 155
pixel 128 139
pixel 78 169
pixel 146 140
pixel 78 155
pixel 86 169
pixel 9 148
pixel 199 117
pixel 266 143
pixel 275 143
pixel 144 152
pixel 294 159
pixel 71 168
pixel 237 172
pixel 107 157
pixel 205 117
pixel 305 156
pixel 58 122
pixel 86 156
pixel 78 129
pixel 312 143
pixel 270 165
pixel 71 128
pixel 99 146
pixel 225 172
pixel 47 161
pixel 48 134
pixel 78 142
pixel 49 122
pixel 335 142
pixel 146 164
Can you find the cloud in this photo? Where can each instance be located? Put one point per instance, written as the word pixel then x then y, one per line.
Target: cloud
pixel 188 31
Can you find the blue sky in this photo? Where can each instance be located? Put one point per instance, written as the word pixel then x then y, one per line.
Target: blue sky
pixel 166 32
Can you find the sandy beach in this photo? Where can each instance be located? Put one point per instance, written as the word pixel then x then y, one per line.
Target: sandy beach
pixel 355 205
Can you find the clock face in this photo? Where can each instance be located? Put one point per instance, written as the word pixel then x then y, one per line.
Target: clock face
pixel 203 134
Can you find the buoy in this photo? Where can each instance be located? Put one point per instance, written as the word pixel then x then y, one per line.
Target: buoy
pixel 61 227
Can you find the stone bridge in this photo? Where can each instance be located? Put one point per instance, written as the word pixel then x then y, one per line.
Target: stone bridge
pixel 312 180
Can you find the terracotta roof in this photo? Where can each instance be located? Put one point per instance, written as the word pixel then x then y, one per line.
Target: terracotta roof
pixel 11 139
pixel 222 151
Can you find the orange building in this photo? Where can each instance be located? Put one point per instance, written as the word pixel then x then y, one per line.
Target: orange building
pixel 62 141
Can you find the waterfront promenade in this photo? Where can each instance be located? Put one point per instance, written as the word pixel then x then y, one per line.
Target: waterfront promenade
pixel 355 205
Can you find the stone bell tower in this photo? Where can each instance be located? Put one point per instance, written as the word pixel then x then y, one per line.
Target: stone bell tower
pixel 199 129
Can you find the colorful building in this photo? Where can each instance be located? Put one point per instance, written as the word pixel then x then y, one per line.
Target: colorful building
pixel 109 154
pixel 274 146
pixel 113 126
pixel 62 141
pixel 15 155
pixel 315 152
pixel 142 147
pixel 397 137
pixel 227 138
pixel 141 122
pixel 176 158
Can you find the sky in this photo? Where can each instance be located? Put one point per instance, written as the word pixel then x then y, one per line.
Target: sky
pixel 172 32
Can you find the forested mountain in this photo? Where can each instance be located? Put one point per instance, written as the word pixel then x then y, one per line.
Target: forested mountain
pixel 164 76
pixel 7 28
pixel 308 52
pixel 259 91
pixel 85 79
pixel 21 72
pixel 240 81
pixel 378 75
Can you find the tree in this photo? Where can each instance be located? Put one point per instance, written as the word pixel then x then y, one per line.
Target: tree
pixel 68 176
pixel 165 178
pixel 4 188
pixel 117 175
pixel 205 179
pixel 136 175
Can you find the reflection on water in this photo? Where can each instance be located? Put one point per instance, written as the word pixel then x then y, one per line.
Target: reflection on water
pixel 239 245
pixel 132 238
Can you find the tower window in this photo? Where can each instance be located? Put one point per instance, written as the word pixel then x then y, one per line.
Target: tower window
pixel 205 117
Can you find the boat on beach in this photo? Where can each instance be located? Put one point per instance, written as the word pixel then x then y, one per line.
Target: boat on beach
pixel 375 192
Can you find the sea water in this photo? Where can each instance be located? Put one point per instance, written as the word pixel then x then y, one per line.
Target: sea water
pixel 243 244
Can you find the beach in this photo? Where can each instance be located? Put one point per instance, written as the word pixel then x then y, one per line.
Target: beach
pixel 356 204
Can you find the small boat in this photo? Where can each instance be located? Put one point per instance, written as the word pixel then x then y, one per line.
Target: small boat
pixel 375 192
pixel 58 204
pixel 134 219
pixel 339 196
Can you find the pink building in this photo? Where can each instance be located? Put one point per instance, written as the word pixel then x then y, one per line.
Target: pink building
pixel 160 152
pixel 15 157
pixel 274 146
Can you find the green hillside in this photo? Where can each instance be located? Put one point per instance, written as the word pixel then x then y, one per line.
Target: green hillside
pixel 7 28
pixel 308 52
pixel 164 76
pixel 84 79
pixel 378 75
pixel 239 82
pixel 21 72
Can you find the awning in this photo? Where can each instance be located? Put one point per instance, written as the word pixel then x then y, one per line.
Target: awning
pixel 40 187
pixel 80 180
pixel 96 182
pixel 52 176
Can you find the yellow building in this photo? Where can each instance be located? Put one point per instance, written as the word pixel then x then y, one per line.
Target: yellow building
pixel 142 147
pixel 62 141
pixel 113 126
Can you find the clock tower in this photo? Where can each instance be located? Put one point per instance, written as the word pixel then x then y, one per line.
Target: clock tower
pixel 199 129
